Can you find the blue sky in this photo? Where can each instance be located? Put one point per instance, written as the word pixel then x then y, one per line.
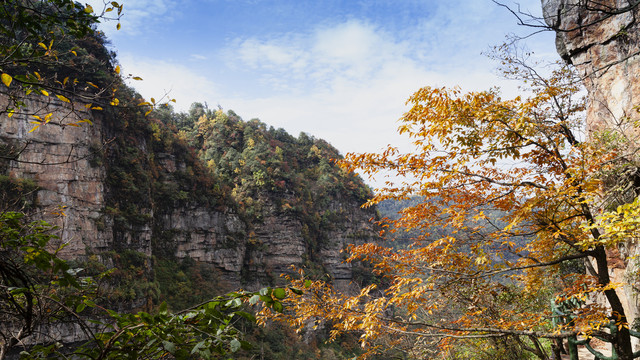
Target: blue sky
pixel 338 70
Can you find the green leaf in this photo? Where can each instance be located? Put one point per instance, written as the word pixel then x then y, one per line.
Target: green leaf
pixel 162 309
pixel 280 293
pixel 80 307
pixel 296 291
pixel 169 346
pixel 254 299
pixel 307 284
pixel 277 306
pixel 146 317
pixel 246 315
pixel 234 303
pixel 235 345
pixel 211 305
pixel 197 347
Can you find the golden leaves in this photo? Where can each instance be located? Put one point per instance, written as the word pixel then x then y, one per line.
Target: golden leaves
pixel 63 98
pixel 6 79
pixel 503 191
pixel 616 226
pixel 40 121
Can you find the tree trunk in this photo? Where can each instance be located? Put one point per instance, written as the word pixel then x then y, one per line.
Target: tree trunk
pixel 622 340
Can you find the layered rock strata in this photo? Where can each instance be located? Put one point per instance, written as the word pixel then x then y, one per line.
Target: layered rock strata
pixel 74 194
pixel 602 40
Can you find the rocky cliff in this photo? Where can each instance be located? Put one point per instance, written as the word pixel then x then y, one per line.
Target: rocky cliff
pixel 130 185
pixel 602 40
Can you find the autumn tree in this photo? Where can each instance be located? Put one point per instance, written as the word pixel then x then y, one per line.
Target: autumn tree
pixel 50 51
pixel 517 191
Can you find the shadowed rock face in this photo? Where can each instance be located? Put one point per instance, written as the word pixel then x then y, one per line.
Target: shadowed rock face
pixel 603 42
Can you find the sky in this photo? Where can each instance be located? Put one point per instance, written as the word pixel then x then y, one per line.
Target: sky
pixel 340 70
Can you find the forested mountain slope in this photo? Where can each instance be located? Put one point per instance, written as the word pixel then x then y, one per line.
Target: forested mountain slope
pixel 183 205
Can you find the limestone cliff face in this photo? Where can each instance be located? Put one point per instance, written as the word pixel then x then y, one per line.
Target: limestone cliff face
pixel 57 158
pixel 107 209
pixel 602 40
pixel 282 240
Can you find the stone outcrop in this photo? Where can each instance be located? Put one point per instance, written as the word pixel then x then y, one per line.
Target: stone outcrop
pixel 63 161
pixel 602 40
pixel 57 158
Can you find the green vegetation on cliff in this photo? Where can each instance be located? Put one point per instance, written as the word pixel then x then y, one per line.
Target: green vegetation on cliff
pixel 185 194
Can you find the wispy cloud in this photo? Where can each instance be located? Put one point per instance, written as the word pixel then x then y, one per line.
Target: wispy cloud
pixel 137 15
pixel 349 51
pixel 161 77
pixel 345 81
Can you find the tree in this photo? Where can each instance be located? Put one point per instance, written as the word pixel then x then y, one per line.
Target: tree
pixel 50 55
pixel 519 191
pixel 50 51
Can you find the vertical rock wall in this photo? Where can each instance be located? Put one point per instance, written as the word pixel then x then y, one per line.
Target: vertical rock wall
pixel 602 40
pixel 57 157
pixel 61 159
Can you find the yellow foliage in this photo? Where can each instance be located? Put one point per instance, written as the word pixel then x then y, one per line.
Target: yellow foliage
pixel 514 189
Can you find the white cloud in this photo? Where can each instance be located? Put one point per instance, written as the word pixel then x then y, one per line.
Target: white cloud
pixel 162 77
pixel 346 82
pixel 137 15
pixel 348 51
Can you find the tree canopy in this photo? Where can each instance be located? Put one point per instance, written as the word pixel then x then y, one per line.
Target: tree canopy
pixel 512 218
